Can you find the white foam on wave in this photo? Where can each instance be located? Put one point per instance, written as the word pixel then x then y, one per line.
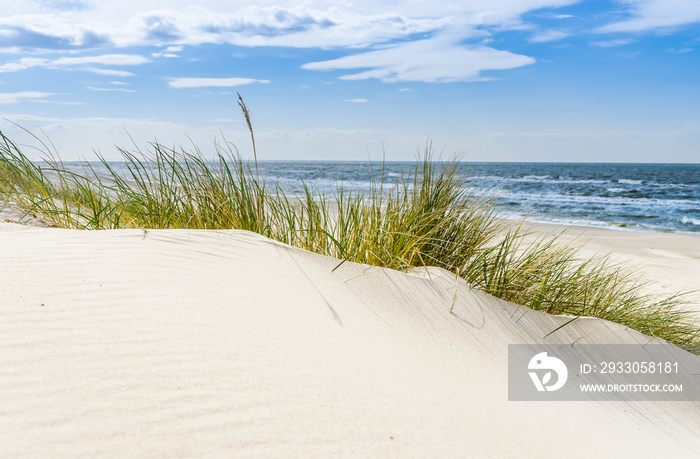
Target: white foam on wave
pixel 692 221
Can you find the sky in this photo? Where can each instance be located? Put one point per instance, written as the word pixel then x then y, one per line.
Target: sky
pixel 492 80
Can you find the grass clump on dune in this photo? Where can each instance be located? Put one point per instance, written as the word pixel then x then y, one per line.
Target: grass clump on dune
pixel 430 216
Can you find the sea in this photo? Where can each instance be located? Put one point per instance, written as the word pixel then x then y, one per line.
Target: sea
pixel 642 197
pixel 627 197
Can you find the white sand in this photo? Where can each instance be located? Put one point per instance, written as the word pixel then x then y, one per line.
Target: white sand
pixel 669 261
pixel 222 343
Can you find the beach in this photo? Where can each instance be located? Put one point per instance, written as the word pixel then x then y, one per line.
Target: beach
pixel 441 230
pixel 669 261
pixel 224 343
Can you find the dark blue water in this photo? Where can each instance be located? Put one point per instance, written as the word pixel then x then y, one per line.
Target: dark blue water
pixel 647 197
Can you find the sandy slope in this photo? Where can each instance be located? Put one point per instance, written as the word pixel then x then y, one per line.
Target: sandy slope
pixel 670 261
pixel 9 214
pixel 220 343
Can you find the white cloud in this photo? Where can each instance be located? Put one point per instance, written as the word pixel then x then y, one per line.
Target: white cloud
pixel 91 88
pixel 211 82
pixel 169 52
pixel 405 89
pixel 356 101
pixel 22 64
pixel 289 23
pixel 17 97
pixel 612 43
pixel 429 60
pixel 548 35
pixel 679 51
pixel 56 102
pixel 551 15
pixel 647 15
pixel 106 59
pixel 108 72
pixel 360 25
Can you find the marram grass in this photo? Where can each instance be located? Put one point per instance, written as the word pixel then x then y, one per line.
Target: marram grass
pixel 430 216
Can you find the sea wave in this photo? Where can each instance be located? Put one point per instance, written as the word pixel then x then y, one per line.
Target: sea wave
pixel 690 221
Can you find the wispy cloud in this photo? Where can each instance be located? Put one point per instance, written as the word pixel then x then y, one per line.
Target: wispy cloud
pixel 548 35
pixel 648 15
pixel 67 5
pixel 63 62
pixel 429 60
pixel 356 101
pixel 612 43
pixel 369 30
pixel 92 88
pixel 211 82
pixel 288 23
pixel 550 15
pixel 169 52
pixel 17 97
pixel 679 51
pixel 36 34
pixel 108 72
pixel 56 102
pixel 105 59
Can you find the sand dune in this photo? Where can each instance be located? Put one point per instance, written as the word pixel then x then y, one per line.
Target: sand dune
pixel 224 343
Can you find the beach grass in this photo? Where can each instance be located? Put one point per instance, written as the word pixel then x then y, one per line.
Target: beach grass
pixel 431 216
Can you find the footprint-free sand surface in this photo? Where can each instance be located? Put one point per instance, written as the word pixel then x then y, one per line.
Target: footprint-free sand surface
pixel 187 343
pixel 669 261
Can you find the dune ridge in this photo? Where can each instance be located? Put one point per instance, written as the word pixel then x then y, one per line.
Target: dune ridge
pixel 212 343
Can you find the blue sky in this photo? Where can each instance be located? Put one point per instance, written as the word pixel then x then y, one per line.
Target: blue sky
pixel 502 80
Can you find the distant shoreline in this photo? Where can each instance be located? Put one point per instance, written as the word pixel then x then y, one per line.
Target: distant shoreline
pixel 600 226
